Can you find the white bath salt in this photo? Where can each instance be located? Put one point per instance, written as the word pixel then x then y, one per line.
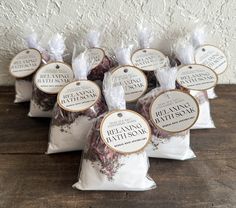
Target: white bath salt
pixel 68 137
pixel 110 164
pixel 204 120
pixel 36 111
pixel 164 144
pixel 174 147
pixel 22 67
pixel 49 80
pixel 23 90
pixel 211 93
pixel 131 175
pixel 68 130
pixel 78 104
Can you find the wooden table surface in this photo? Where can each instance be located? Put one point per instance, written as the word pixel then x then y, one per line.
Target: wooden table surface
pixel 29 178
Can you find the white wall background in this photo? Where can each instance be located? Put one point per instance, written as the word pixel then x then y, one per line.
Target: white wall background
pixel 169 18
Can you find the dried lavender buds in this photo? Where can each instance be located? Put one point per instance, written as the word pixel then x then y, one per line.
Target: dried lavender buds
pixel 61 117
pixel 98 152
pixel 43 100
pixel 98 72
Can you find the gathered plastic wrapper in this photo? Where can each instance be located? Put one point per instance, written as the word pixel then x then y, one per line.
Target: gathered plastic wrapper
pixel 94 41
pixel 165 145
pixel 145 37
pixel 198 37
pixel 41 103
pixel 123 55
pixel 104 169
pixel 184 51
pixel 23 86
pixel 68 129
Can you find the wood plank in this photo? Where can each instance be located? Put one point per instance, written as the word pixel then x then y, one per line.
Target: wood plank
pixel 45 181
pixel 19 133
pixel 32 133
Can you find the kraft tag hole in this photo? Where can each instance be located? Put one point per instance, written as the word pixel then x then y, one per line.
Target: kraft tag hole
pixel 119 114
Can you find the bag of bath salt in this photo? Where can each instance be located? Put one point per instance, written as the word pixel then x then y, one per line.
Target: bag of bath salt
pixel 49 80
pixel 132 79
pixel 114 157
pixel 198 79
pixel 78 104
pixel 101 63
pixel 146 58
pixel 208 55
pixel 202 74
pixel 25 64
pixel 170 113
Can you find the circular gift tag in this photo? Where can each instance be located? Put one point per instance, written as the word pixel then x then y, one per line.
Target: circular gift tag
pixel 196 77
pixel 174 111
pixel 78 95
pixel 133 81
pixel 51 77
pixel 95 56
pixel 25 63
pixel 125 131
pixel 148 59
pixel 211 57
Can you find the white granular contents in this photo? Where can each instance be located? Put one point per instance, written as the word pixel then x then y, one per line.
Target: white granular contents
pixel 174 147
pixel 23 90
pixel 211 93
pixel 36 111
pixel 69 137
pixel 204 120
pixel 131 176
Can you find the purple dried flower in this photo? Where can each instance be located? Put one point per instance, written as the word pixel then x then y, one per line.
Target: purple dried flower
pixel 98 151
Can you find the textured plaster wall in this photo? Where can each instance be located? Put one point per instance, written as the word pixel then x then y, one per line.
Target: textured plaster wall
pixel 170 18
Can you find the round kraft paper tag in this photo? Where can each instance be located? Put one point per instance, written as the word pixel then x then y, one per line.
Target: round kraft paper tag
pixel 125 131
pixel 174 111
pixel 25 63
pixel 196 77
pixel 78 96
pixel 95 56
pixel 50 78
pixel 211 57
pixel 133 81
pixel 148 59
